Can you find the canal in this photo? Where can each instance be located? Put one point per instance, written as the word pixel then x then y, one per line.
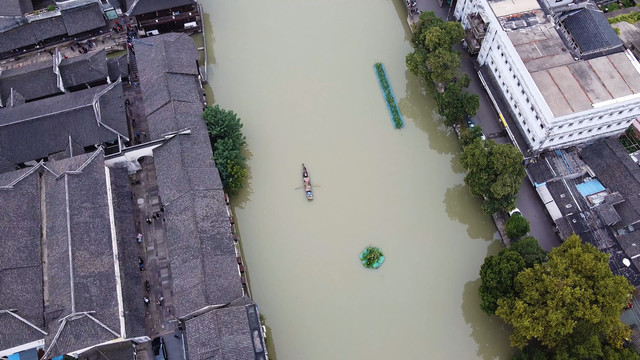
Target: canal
pixel 300 75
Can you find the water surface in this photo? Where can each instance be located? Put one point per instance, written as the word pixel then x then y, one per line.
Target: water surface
pixel 300 75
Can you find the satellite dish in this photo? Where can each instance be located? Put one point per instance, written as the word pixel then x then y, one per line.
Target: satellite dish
pixel 626 262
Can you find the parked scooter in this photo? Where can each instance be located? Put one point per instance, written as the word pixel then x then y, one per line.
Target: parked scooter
pixel 146 301
pixel 147 285
pixel 141 263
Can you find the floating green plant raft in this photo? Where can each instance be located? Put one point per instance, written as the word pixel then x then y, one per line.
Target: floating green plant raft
pixel 371 257
pixel 387 94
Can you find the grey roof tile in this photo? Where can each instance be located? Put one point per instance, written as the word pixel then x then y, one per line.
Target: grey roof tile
pixel 31 81
pixel 36 129
pixel 15 332
pixel 591 30
pixel 83 18
pixel 231 333
pixel 138 7
pixel 84 69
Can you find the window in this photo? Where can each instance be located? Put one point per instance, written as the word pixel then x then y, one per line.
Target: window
pixel 580 133
pixel 522 91
pixel 531 107
pixel 541 126
pixel 600 128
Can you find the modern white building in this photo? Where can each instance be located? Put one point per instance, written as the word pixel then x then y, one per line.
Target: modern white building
pixel 560 67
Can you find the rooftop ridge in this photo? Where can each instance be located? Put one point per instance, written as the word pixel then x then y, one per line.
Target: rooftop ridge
pixel 10 312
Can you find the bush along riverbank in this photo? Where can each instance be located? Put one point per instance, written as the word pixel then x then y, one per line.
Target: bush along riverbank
pixel 387 93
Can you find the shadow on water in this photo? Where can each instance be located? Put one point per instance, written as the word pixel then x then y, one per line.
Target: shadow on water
pixel 456 166
pixel 245 193
pixel 489 332
pixel 415 106
pixel 464 208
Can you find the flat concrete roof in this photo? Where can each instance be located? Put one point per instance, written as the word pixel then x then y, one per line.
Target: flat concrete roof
pixel 508 7
pixel 568 85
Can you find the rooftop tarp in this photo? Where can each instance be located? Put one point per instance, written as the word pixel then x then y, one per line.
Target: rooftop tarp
pixel 590 187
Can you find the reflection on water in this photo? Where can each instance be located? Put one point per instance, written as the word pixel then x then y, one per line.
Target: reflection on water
pixel 299 74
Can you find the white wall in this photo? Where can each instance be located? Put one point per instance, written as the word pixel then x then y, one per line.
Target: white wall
pixel 536 121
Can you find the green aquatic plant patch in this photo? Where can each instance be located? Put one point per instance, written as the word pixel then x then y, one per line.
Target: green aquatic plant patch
pixel 387 93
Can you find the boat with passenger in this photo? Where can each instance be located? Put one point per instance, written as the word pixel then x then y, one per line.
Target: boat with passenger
pixel 306 182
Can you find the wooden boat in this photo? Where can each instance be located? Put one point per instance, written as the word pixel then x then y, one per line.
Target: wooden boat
pixel 306 182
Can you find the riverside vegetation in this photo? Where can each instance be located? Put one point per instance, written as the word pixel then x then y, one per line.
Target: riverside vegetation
pixel 227 141
pixel 495 171
pixel 564 304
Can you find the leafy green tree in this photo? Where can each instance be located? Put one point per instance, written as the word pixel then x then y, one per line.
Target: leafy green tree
pixel 443 65
pixel 227 140
pixel 530 250
pixel 497 274
pixel 455 105
pixel 433 58
pixel 236 175
pixel 469 135
pixel 531 352
pixel 571 304
pixel 517 226
pixel 495 172
pixel 223 124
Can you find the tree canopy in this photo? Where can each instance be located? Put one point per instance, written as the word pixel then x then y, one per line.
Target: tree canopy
pixel 497 274
pixel 495 172
pixel 227 140
pixel 433 58
pixel 455 104
pixel 570 305
pixel 530 250
pixel 517 226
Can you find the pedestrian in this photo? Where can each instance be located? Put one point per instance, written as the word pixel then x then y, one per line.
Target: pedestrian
pixel 154 216
pixel 148 221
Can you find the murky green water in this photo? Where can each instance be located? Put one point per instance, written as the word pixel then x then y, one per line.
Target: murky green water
pixel 300 75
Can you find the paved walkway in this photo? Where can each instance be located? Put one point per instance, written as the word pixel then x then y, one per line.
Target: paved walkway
pixel 149 219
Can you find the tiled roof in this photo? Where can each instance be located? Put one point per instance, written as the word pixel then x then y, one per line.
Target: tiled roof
pixel 15 7
pixel 591 30
pixel 32 32
pixel 83 18
pixel 201 249
pixel 81 302
pixel 84 69
pixel 231 333
pixel 31 81
pixel 138 7
pixel 16 331
pixel 118 67
pixel 616 171
pixel 36 129
pixel 20 262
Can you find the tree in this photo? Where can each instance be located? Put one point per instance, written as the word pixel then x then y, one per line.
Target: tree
pixel 570 304
pixel 495 172
pixel 517 226
pixel 530 250
pixel 455 105
pixel 223 124
pixel 433 59
pixel 227 140
pixel 469 135
pixel 497 274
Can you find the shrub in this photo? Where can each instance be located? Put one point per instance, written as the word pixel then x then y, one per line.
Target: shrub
pixel 51 7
